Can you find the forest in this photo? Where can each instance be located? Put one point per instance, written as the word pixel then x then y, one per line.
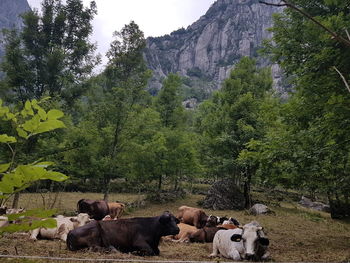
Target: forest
pixel 64 127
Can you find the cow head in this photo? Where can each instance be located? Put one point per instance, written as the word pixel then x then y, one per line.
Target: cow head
pixel 212 221
pixel 168 224
pixel 80 220
pixel 255 244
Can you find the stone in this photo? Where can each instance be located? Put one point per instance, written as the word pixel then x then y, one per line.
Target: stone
pixel 319 206
pixel 259 209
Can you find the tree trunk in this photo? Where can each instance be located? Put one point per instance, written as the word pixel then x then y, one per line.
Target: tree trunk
pixel 160 182
pixel 106 187
pixel 15 200
pixel 247 182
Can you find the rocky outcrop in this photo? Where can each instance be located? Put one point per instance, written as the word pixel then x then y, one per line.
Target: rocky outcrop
pixel 208 49
pixel 319 206
pixel 10 11
pixel 260 209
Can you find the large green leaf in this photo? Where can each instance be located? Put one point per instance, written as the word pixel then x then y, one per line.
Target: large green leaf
pixel 4 167
pixel 49 125
pixel 54 114
pixel 32 124
pixel 55 176
pixel 22 133
pixel 4 138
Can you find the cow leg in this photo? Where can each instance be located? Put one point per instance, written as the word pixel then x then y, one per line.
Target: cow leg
pixel 34 234
pixel 234 254
pixel 144 249
pixel 215 251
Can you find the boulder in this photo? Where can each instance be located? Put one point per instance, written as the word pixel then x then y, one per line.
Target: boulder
pixel 260 209
pixel 224 195
pixel 306 202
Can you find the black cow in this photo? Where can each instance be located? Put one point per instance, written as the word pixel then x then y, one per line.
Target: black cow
pixel 95 209
pixel 140 234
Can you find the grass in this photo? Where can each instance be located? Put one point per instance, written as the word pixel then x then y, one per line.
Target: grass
pixel 296 234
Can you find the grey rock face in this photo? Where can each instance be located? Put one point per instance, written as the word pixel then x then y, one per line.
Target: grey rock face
pixel 10 11
pixel 209 48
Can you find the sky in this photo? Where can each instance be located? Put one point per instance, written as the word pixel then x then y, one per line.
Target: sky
pixel 154 17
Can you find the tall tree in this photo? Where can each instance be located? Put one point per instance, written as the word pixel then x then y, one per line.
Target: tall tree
pixel 52 55
pixel 230 120
pixel 318 113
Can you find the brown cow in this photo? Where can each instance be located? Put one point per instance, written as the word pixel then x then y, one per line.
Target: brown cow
pixel 228 226
pixel 115 209
pixel 95 209
pixel 192 216
pixel 204 235
pixel 140 234
pixel 184 235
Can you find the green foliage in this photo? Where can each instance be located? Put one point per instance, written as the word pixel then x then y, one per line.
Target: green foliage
pixel 309 145
pixel 52 55
pixel 30 121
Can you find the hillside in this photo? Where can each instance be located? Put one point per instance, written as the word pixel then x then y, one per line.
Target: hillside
pixel 207 50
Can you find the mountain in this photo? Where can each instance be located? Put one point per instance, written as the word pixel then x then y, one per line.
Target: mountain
pixel 10 11
pixel 207 50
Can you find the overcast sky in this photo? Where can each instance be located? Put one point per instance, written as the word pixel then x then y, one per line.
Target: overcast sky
pixel 154 17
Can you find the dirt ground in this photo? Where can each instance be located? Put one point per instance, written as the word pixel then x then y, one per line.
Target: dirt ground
pixel 296 235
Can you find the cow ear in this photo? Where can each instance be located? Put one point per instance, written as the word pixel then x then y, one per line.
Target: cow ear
pixel 236 238
pixel 164 218
pixel 264 241
pixel 73 219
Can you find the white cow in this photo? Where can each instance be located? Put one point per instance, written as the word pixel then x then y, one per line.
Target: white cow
pixel 64 225
pixel 237 244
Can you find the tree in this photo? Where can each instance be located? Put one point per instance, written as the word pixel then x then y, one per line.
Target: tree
pixel 52 55
pixel 318 113
pixel 230 120
pixel 118 99
pixel 31 121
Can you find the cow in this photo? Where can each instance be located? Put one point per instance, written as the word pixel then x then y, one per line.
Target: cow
pixel 140 235
pixel 4 221
pixel 184 234
pixel 99 209
pixel 192 216
pixel 64 225
pixel 232 221
pixel 238 244
pixel 115 209
pixel 227 226
pixel 95 209
pixel 204 235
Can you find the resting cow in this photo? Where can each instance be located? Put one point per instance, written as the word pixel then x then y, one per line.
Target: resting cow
pixel 192 216
pixel 229 243
pixel 115 209
pixel 204 235
pixel 140 234
pixel 184 235
pixel 100 208
pixel 95 209
pixel 64 225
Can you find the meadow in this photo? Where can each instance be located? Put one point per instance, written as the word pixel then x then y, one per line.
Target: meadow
pixel 296 234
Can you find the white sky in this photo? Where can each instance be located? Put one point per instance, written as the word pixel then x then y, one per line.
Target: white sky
pixel 154 17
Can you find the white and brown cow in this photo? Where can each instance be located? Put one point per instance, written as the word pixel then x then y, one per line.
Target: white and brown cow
pixel 64 225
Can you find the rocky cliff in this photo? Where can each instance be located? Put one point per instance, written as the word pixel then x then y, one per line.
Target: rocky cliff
pixel 10 11
pixel 206 51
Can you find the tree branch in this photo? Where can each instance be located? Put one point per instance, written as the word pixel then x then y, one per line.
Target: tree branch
pixel 343 78
pixel 335 35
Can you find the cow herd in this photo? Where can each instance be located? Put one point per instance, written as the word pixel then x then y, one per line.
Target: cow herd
pixel 98 227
